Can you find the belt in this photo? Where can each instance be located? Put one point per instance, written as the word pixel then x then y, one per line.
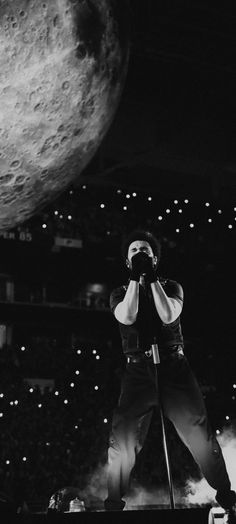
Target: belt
pixel 139 357
pixel 146 355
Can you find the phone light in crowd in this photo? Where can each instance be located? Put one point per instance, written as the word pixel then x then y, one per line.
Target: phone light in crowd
pixel 31 390
pixel 39 406
pixel 7 462
pixel 127 196
pixel 105 420
pixel 1 415
pixel 210 220
pixel 125 208
pixel 16 402
pixel 97 357
pixel 102 206
pixel 218 432
pixel 24 459
pixel 1 395
pixel 227 417
pixel 94 351
pixel 234 386
pixel 149 198
pixel 56 212
pixel 186 201
pixel 191 225
pixel 96 388
pixel 72 385
pixel 160 217
pixel 69 217
pixel 76 427
pixel 134 194
pixel 168 211
pixel 56 393
pixel 207 204
pixel 176 201
pixel 44 226
pixel 22 348
pixel 66 401
pixel 79 351
pixel 219 211
pixel 177 230
pixel 77 372
pixel 230 226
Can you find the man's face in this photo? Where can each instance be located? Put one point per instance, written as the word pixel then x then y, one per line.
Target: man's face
pixel 140 246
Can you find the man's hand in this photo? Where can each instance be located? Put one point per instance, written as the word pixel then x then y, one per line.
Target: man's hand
pixel 138 264
pixel 149 270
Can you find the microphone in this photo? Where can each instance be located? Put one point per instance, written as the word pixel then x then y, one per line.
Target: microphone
pixel 155 354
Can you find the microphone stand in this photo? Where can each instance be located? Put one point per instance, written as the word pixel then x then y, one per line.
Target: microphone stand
pixel 156 361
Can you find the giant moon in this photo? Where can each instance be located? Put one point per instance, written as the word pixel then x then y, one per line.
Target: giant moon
pixel 62 69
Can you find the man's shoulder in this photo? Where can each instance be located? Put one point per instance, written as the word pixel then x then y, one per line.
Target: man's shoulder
pixel 165 281
pixel 117 296
pixel 172 287
pixel 119 289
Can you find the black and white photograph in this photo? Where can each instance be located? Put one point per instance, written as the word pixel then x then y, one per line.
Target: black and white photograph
pixel 117 261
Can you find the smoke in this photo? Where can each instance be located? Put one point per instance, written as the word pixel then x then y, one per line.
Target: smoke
pixel 95 490
pixel 193 493
pixel 227 441
pixel 200 493
pixel 156 496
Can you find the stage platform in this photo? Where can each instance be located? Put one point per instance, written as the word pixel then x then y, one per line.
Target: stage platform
pixel 131 516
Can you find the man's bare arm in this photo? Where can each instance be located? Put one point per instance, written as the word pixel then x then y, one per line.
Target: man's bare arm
pixel 126 311
pixel 167 308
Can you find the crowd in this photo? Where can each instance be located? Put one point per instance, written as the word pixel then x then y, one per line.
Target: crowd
pixel 100 215
pixel 53 432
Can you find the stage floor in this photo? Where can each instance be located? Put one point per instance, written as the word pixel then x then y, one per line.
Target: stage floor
pixel 140 514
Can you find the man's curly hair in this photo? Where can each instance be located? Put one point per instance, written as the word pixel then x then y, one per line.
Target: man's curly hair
pixel 141 234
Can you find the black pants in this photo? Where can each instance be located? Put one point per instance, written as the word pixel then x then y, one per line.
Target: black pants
pixel 182 403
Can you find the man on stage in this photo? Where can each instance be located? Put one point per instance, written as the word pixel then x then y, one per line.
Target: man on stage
pixel 148 309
